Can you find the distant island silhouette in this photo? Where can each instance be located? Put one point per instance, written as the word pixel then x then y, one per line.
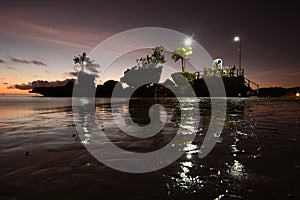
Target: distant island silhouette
pixel 143 80
pixel 107 88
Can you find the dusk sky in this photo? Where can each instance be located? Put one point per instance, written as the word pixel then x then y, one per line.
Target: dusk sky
pixel 38 39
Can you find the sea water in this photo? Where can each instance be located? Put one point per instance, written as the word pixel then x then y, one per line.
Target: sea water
pixel 256 155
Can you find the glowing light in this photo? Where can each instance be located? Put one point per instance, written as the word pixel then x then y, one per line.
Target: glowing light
pixel 189 156
pixel 297 94
pixel 236 38
pixel 188 41
pixel 187 164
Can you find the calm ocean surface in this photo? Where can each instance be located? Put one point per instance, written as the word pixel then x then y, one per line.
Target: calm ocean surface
pixel 256 157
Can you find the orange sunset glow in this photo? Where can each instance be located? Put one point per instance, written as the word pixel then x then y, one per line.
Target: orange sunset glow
pixel 38 45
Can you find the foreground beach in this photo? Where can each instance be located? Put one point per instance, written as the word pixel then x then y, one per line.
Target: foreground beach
pixel 256 157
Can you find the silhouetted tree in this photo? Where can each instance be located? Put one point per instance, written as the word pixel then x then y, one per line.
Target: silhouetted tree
pixel 153 60
pixel 146 70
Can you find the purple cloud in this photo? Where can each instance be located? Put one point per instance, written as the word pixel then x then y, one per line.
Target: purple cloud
pixel 34 62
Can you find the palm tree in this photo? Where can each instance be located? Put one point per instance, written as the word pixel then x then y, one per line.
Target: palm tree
pixel 182 53
pixel 82 60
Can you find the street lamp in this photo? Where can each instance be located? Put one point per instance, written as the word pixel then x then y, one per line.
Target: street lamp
pixel 188 41
pixel 238 39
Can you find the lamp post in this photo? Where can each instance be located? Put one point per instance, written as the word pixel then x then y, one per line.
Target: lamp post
pixel 238 39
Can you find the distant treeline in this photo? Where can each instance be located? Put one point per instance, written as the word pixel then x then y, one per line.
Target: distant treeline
pixel 278 92
pixel 105 90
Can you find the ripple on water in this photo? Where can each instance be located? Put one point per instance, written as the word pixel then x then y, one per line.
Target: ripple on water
pixel 255 156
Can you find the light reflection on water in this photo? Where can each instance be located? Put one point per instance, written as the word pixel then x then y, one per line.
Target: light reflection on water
pixel 259 141
pixel 236 169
